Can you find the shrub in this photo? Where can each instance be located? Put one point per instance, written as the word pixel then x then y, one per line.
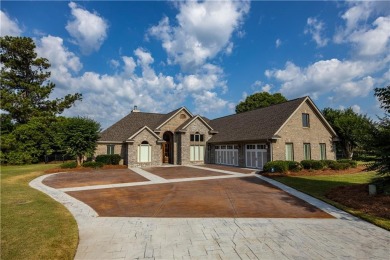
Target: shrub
pixel 327 163
pixel 113 159
pixel 351 163
pixel 294 166
pixel 276 166
pixel 19 158
pixel 68 165
pixel 312 164
pixel 339 166
pixel 93 165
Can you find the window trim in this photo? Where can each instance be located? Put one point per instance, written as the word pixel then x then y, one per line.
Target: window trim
pixel 201 153
pixel 323 155
pixel 139 151
pixel 292 151
pixel 110 149
pixel 305 150
pixel 305 120
pixel 197 137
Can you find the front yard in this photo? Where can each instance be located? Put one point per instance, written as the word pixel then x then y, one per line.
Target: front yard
pixel 33 226
pixel 351 198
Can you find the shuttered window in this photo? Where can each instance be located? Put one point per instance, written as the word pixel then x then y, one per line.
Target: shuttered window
pixel 196 152
pixel 144 152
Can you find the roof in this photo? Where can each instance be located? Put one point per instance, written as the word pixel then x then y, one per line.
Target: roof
pixel 130 124
pixel 258 124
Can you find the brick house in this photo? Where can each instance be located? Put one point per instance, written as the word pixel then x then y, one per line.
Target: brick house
pixel 293 130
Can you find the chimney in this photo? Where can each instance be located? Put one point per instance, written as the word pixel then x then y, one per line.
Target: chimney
pixel 135 110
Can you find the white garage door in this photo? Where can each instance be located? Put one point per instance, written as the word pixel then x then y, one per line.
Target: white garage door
pixel 226 154
pixel 256 155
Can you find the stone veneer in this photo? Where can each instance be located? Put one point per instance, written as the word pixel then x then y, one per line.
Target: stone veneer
pixel 156 154
pixel 293 132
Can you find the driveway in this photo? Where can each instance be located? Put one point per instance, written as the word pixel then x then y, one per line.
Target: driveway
pixel 246 218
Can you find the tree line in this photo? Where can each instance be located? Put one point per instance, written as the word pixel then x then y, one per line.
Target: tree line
pixel 31 127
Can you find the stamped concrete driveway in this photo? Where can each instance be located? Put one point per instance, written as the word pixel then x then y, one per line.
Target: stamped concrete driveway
pixel 315 237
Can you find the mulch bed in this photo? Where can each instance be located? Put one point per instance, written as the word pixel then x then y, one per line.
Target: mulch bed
pixel 356 197
pixel 85 169
pixel 360 168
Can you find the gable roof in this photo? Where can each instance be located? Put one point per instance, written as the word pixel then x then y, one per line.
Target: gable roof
pixel 190 120
pixel 130 124
pixel 170 115
pixel 258 124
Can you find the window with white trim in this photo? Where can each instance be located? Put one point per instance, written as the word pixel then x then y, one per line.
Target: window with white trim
pixel 289 152
pixel 306 151
pixel 144 153
pixel 110 149
pixel 196 153
pixel 322 151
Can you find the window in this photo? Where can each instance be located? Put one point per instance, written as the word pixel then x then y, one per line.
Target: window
pixel 305 120
pixel 196 152
pixel 196 138
pixel 306 152
pixel 289 152
pixel 144 152
pixel 110 149
pixel 322 151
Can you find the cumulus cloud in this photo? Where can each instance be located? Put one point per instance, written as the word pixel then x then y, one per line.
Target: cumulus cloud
pixel 88 30
pixel 203 30
pixel 9 26
pixel 347 78
pixel 208 100
pixel 316 29
pixel 278 42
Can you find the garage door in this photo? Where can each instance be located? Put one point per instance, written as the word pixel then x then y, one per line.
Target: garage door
pixel 256 155
pixel 226 154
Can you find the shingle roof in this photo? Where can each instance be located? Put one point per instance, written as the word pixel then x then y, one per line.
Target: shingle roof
pixel 130 124
pixel 258 124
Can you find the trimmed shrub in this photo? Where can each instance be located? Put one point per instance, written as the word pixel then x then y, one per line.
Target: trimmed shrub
pixel 327 163
pixel 352 163
pixel 312 164
pixel 68 165
pixel 294 166
pixel 94 165
pixel 339 166
pixel 113 159
pixel 276 166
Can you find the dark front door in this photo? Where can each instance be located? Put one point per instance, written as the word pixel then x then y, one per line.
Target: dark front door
pixel 167 148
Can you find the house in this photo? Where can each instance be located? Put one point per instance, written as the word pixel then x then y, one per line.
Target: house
pixel 294 130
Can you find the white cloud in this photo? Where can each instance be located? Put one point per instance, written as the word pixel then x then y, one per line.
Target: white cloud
pixel 266 88
pixel 203 30
pixel 8 26
pixel 316 29
pixel 356 109
pixel 278 43
pixel 346 78
pixel 209 101
pixel 89 30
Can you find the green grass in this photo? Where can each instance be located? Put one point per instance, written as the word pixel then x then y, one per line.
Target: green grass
pixel 318 186
pixel 33 226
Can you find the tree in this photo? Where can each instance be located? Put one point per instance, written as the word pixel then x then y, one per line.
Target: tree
pixel 259 100
pixel 25 85
pixel 383 95
pixel 354 130
pixel 79 136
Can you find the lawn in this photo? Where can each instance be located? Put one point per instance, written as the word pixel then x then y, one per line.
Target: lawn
pixel 33 226
pixel 318 186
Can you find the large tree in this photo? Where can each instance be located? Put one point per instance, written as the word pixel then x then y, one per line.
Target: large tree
pixel 25 85
pixel 79 136
pixel 383 95
pixel 259 100
pixel 354 130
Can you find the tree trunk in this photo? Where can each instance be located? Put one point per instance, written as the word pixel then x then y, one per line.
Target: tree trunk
pixel 79 160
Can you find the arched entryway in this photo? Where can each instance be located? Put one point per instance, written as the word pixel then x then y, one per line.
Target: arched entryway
pixel 167 148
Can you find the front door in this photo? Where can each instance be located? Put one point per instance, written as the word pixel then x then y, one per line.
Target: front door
pixel 167 148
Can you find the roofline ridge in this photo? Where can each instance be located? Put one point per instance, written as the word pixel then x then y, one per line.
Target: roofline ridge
pixel 295 99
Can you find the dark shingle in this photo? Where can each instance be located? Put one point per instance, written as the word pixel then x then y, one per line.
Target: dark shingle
pixel 258 124
pixel 130 124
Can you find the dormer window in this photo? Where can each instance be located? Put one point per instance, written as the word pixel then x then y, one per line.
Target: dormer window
pixel 305 120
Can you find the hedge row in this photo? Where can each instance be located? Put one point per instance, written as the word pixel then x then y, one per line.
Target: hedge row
pixel 285 166
pixel 113 159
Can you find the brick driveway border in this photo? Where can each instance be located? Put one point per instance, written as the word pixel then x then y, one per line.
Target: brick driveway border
pixel 223 238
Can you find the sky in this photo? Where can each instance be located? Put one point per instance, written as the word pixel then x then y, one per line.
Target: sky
pixel 207 55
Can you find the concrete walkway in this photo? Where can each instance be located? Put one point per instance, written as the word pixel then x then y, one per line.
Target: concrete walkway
pixel 345 237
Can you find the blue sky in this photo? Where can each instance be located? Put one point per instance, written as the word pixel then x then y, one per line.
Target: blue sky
pixel 208 55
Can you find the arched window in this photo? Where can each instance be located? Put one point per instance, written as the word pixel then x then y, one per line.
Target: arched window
pixel 144 153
